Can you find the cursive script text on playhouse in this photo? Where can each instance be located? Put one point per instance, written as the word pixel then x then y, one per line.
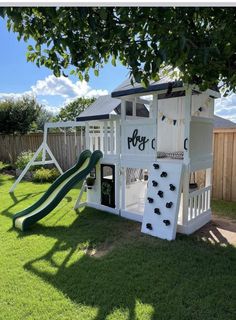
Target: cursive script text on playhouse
pixel 139 141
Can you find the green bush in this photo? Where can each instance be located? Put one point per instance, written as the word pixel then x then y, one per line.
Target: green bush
pixel 23 159
pixel 18 115
pixel 45 175
pixel 5 166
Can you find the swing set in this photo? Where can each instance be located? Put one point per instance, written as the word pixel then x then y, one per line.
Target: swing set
pixel 44 152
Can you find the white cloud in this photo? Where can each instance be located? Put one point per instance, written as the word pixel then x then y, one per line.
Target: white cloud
pixel 13 95
pixel 65 88
pixel 61 88
pixel 226 107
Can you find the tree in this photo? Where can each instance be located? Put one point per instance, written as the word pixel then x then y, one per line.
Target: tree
pixel 43 116
pixel 17 116
pixel 74 108
pixel 200 42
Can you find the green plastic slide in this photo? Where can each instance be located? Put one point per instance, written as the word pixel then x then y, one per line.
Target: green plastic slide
pixel 57 191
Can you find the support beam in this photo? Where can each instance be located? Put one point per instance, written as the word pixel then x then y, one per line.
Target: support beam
pixel 43 148
pixel 77 204
pixel 187 113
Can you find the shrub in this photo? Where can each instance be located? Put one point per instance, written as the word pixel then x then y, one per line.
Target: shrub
pixel 45 175
pixel 23 158
pixel 5 166
pixel 18 115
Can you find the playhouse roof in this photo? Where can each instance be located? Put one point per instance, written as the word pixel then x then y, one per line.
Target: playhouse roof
pixel 105 106
pixel 165 83
pixel 126 88
pixel 101 108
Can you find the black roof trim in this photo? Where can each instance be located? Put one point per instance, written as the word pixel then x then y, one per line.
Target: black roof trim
pixel 154 87
pixel 90 118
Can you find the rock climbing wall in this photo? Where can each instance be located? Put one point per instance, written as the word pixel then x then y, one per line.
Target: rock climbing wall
pixel 163 198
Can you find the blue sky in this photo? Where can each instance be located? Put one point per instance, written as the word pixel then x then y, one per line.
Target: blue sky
pixel 21 77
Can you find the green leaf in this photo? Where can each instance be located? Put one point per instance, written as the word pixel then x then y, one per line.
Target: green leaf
pixel 30 48
pixel 113 61
pixel 80 75
pixel 144 83
pixel 86 77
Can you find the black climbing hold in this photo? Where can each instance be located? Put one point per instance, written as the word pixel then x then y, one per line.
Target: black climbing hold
pixel 154 183
pixel 157 211
pixel 166 222
pixel 149 226
pixel 156 166
pixel 172 187
pixel 169 204
pixel 150 200
pixel 164 174
pixel 160 193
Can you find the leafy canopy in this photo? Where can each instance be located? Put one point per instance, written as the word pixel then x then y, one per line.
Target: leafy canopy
pixel 200 42
pixel 18 116
pixel 43 116
pixel 74 108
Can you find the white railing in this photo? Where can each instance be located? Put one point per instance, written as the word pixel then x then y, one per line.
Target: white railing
pixel 103 137
pixel 199 202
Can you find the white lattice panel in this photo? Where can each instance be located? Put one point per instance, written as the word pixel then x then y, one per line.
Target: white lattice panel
pixel 162 203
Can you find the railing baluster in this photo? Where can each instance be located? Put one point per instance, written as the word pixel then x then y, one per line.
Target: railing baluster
pixel 191 209
pixel 195 206
pixel 203 201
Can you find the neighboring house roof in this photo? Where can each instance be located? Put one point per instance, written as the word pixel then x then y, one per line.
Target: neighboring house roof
pixel 223 123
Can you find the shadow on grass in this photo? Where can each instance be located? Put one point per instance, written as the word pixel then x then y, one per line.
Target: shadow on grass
pixel 144 277
pixel 15 200
pixel 218 231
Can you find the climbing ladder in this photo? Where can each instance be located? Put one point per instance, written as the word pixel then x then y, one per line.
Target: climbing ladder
pixel 163 199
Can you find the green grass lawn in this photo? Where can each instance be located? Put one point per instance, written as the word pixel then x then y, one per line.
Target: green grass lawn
pixel 50 273
pixel 225 209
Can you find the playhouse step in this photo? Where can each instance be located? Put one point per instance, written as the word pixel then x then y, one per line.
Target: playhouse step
pixel 163 198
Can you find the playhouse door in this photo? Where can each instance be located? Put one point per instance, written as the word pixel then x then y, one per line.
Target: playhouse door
pixel 108 185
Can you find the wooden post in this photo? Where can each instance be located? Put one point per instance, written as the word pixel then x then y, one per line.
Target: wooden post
pixel 187 113
pixel 45 132
pixel 123 186
pixel 154 115
pixel 76 206
pixel 134 109
pixel 87 144
pixel 118 137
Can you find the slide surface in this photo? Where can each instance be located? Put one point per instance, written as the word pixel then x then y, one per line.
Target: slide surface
pixel 57 191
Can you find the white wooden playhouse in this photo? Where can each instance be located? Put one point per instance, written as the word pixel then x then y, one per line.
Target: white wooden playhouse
pixel 153 141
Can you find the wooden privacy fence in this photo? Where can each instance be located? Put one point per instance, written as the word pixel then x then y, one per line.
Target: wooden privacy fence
pixel 224 165
pixel 66 150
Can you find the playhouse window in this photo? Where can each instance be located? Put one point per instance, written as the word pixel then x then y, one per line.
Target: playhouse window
pixel 141 109
pixel 107 172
